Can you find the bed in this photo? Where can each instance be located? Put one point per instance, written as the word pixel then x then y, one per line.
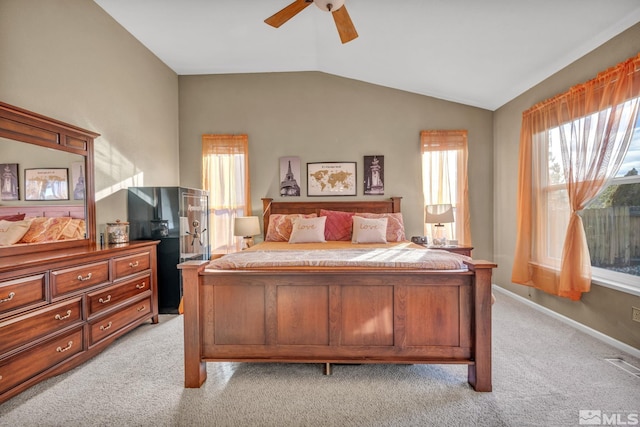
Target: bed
pixel 20 225
pixel 337 313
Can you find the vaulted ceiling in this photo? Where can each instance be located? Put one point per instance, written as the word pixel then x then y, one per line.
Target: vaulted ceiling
pixel 477 52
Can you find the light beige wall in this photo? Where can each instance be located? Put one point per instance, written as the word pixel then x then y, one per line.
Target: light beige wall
pixel 321 117
pixel 603 309
pixel 68 59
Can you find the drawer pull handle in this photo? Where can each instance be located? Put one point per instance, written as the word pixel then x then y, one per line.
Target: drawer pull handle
pixel 58 317
pixel 141 308
pixel 104 301
pixel 61 350
pixel 141 285
pixel 82 279
pixel 133 264
pixel 104 328
pixel 9 298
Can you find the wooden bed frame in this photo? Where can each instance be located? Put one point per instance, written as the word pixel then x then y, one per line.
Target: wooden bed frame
pixel 74 211
pixel 330 315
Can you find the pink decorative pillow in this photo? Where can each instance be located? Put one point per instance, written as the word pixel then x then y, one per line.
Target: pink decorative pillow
pixel 45 229
pixel 280 225
pixel 395 225
pixel 12 231
pixel 369 230
pixel 17 217
pixel 338 226
pixel 308 230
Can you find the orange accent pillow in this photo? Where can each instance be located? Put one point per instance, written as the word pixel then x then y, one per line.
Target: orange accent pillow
pixel 74 230
pixel 338 226
pixel 45 229
pixel 280 226
pixel 395 225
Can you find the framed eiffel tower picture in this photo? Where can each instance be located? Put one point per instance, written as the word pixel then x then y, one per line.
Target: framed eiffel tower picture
pixel 289 176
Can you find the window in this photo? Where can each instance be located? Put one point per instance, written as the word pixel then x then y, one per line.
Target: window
pixel 576 150
pixel 225 175
pixel 444 179
pixel 612 222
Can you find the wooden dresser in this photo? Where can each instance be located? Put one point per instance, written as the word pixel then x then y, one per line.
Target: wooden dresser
pixel 60 308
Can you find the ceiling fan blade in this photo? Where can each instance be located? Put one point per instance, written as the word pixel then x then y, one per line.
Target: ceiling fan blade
pixel 344 25
pixel 279 18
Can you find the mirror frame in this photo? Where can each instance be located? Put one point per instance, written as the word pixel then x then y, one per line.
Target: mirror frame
pixel 26 126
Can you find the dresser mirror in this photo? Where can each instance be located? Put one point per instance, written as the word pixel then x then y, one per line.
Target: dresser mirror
pixel 47 170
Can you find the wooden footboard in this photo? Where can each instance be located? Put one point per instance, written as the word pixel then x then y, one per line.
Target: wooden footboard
pixel 338 316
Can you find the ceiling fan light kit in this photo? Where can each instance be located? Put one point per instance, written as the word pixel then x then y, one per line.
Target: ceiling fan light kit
pixel 329 5
pixel 346 29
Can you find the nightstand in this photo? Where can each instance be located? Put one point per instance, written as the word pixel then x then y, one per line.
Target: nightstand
pixel 462 250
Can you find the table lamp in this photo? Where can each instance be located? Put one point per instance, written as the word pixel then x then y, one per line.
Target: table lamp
pixel 438 215
pixel 246 227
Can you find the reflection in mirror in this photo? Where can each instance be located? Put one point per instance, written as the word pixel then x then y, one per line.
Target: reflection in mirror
pixel 43 195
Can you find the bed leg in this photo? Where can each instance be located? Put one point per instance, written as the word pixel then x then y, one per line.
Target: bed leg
pixel 327 369
pixel 195 370
pixel 479 373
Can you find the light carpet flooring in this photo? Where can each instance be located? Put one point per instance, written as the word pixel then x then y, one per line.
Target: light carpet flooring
pixel 544 373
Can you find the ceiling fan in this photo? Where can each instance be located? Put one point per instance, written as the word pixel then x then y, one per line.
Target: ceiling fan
pixel 337 8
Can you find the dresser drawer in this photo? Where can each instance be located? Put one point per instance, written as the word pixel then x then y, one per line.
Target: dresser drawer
pixel 109 297
pixel 24 365
pixel 79 277
pixel 22 292
pixel 20 330
pixel 108 325
pixel 127 265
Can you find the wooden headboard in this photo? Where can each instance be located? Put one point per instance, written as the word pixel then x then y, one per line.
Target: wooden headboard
pixel 74 211
pixel 269 206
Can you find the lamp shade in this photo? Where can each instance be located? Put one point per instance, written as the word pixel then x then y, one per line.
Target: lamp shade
pixel 329 5
pixel 438 214
pixel 246 226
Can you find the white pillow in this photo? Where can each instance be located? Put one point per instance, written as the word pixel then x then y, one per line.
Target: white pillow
pixel 369 230
pixel 12 231
pixel 308 230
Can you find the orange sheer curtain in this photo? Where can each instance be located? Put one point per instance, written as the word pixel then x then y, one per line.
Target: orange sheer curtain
pixel 570 148
pixel 444 178
pixel 225 174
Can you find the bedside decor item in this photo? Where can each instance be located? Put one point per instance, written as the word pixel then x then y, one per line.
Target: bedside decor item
pixel 331 179
pixel 246 227
pixel 438 215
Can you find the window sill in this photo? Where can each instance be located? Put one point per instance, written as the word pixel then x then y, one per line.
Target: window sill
pixel 617 281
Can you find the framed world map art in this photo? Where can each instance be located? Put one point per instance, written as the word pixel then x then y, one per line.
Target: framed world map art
pixel 331 179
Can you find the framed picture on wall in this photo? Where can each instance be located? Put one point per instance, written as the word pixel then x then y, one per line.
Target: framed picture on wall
pixel 373 175
pixel 289 176
pixel 331 179
pixel 46 184
pixel 77 180
pixel 9 182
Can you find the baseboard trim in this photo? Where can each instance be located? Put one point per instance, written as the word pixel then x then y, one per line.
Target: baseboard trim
pixel 581 327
